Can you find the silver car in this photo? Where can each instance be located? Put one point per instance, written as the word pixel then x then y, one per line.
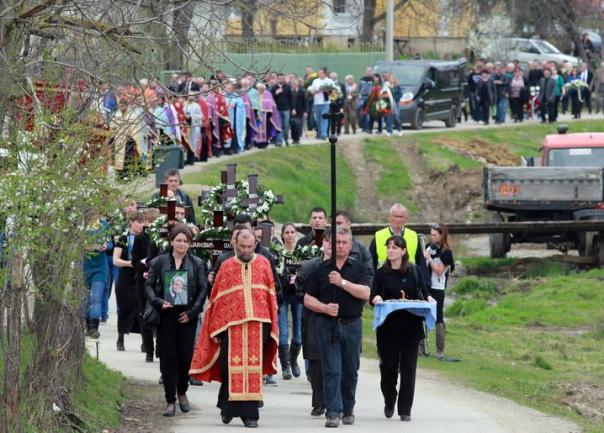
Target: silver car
pixel 526 50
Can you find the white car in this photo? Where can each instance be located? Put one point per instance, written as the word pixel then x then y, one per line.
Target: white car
pixel 525 50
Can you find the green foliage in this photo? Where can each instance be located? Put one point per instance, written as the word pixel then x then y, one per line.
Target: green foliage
pixel 547 269
pixel 302 175
pixel 481 264
pixel 473 285
pixel 394 181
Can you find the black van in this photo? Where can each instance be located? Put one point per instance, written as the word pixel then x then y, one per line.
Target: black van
pixel 431 89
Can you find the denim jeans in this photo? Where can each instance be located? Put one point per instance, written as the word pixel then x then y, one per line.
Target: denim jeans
pixel 475 108
pixel 319 121
pixel 502 105
pixel 296 306
pixel 283 135
pixel 94 300
pixel 340 359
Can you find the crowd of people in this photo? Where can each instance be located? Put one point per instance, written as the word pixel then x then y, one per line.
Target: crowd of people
pixel 543 89
pixel 255 313
pixel 226 115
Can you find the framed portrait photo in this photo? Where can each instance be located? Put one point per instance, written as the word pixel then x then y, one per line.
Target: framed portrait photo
pixel 176 288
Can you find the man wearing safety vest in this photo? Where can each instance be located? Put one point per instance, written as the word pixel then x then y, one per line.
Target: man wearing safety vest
pixel 397 220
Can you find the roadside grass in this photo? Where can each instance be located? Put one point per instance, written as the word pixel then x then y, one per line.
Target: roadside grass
pixel 301 174
pixel 98 401
pixel 521 140
pixel 537 345
pixel 394 182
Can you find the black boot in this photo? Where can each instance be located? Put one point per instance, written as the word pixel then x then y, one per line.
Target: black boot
pixel 120 343
pixel 286 372
pixel 294 351
pixel 93 329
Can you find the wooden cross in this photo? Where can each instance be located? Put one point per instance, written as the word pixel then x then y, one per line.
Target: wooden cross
pixel 216 247
pixel 231 177
pixel 252 200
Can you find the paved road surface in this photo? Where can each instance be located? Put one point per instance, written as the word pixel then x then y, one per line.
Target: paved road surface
pixel 440 407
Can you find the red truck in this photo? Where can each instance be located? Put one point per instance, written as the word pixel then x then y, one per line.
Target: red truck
pixel 566 183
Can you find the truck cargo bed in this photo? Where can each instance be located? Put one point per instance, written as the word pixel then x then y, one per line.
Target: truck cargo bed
pixel 515 189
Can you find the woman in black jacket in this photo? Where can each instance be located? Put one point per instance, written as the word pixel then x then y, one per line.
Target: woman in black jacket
pixel 177 286
pixel 399 336
pixel 140 263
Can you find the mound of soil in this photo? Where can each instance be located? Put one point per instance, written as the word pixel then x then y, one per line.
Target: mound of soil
pixel 480 150
pixel 587 399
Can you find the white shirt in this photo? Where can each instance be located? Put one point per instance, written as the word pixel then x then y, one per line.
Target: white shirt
pixel 318 97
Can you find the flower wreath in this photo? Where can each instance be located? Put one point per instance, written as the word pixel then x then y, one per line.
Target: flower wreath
pixel 213 233
pixel 300 254
pixel 235 205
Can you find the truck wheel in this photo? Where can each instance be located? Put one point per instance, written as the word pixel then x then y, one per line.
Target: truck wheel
pixel 586 243
pixel 418 121
pixel 452 120
pixel 498 245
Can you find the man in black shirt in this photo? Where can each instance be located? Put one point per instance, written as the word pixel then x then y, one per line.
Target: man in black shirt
pixel 283 98
pixel 359 251
pixel 338 296
pixel 173 179
pixel 298 109
pixel 318 221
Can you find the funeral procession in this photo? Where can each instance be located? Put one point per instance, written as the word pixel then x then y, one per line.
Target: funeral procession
pixel 371 215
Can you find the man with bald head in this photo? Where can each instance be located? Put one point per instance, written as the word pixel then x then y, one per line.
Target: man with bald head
pixel 397 220
pixel 239 335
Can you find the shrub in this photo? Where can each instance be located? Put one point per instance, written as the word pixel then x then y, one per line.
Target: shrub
pixel 474 285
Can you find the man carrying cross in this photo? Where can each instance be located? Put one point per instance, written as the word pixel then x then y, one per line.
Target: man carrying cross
pixel 239 336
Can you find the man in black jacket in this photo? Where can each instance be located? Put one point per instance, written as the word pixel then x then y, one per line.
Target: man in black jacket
pixel 484 95
pixel 283 98
pixel 359 251
pixel 173 179
pixel 318 221
pixel 298 109
pixel 547 97
pixel 188 86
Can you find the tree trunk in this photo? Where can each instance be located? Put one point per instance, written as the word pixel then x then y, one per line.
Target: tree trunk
pixel 181 24
pixel 368 14
pixel 11 346
pixel 248 15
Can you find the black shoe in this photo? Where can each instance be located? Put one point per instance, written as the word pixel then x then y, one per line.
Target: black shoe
pixel 149 357
pixel 317 411
pixel 388 411
pixel 143 348
pixel 348 419
pixel 120 346
pixel 260 404
pixel 250 422
pixel 161 380
pixel 405 418
pixel 226 419
pixel 170 410
pixel 183 402
pixel 195 382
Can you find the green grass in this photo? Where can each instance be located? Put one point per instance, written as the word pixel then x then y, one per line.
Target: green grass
pixel 440 158
pixel 394 182
pixel 533 346
pixel 301 174
pixel 483 264
pixel 97 402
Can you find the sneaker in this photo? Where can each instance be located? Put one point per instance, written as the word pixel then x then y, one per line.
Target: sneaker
pixel 332 422
pixel 348 419
pixel 405 418
pixel 195 382
pixel 93 333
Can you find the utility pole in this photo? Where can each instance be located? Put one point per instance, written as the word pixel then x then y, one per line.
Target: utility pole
pixel 390 31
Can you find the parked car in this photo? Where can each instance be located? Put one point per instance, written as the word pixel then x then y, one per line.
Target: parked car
pixel 525 50
pixel 431 89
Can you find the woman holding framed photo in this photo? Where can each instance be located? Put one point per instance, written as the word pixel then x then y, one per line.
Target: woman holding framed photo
pixel 177 286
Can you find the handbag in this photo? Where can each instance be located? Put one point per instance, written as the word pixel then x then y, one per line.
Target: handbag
pixel 420 295
pixel 150 316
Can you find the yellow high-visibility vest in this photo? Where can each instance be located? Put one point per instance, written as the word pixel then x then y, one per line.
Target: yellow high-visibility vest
pixel 381 236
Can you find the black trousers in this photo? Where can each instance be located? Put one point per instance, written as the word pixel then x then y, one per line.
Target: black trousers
pixel 439 297
pixel 517 108
pixel 548 109
pixel 243 409
pixel 296 128
pixel 484 108
pixel 176 343
pixel 146 333
pixel 315 374
pixel 398 353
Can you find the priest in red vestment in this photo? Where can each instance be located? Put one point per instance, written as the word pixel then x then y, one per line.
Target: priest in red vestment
pixel 239 335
